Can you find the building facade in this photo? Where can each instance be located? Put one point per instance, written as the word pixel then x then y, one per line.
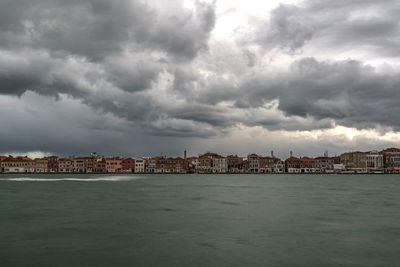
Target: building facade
pixel 140 165
pixel 354 161
pixel 374 161
pixel 391 160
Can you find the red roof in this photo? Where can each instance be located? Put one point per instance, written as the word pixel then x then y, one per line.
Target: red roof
pixel 17 159
pixel 292 158
pixel 210 155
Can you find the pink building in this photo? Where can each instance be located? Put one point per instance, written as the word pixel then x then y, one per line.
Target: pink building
pixel 114 165
pixel 65 165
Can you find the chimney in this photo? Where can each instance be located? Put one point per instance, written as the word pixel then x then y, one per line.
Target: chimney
pixel 291 153
pixel 184 154
pixel 272 154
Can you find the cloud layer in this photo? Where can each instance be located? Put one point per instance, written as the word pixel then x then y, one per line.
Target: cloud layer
pixel 159 76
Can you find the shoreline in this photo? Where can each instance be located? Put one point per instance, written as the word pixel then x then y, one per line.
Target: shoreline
pixel 195 173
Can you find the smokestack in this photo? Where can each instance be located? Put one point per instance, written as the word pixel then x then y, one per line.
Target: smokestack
pixel 272 154
pixel 184 154
pixel 291 153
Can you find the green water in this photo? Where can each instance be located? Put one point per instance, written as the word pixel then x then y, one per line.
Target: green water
pixel 200 220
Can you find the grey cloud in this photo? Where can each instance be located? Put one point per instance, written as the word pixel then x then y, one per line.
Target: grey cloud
pixel 287 29
pixel 132 73
pixel 184 35
pixel 68 127
pixel 371 26
pixel 136 70
pixel 104 53
pixel 95 28
pixel 203 113
pixel 250 57
pixel 351 93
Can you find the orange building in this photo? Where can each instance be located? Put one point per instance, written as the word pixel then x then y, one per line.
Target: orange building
pixel 113 165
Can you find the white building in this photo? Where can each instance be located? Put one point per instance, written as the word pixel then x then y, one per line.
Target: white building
pixel 338 167
pixel 140 165
pixel 219 165
pixel 374 161
pixel 279 166
pixel 14 170
pixel 254 163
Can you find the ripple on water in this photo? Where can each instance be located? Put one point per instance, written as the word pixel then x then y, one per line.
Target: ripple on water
pixel 74 179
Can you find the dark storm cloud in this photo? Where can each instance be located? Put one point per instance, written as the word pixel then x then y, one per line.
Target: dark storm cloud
pixel 134 73
pixel 363 25
pixel 351 93
pixel 68 127
pixel 217 117
pixel 104 53
pixel 94 28
pixel 139 69
pixel 287 29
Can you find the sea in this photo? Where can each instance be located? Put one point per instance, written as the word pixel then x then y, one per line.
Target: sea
pixel 199 220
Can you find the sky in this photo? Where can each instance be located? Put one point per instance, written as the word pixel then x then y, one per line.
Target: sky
pixel 141 78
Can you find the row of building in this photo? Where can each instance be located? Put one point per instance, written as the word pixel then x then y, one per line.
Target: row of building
pixel 385 161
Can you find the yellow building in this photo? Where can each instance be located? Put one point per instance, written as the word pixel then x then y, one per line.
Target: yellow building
pixel 17 164
pixel 354 161
pixel 40 165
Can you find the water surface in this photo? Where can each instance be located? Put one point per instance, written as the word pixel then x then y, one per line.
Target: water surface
pixel 199 220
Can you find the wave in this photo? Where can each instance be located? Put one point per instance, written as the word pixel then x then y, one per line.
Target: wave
pixel 74 179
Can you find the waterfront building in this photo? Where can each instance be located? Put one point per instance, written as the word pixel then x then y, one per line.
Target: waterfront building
pixel 90 163
pixel 354 161
pixel 246 165
pixel 172 165
pixel 84 164
pixel 52 163
pixel 140 165
pixel 336 160
pixel 78 165
pixel 153 165
pixel 65 165
pixel 193 163
pixel 293 165
pixel 391 160
pixel 279 166
pixel 2 158
pixel 266 164
pixel 235 164
pixel 338 168
pixel 40 165
pixel 374 161
pixel 128 165
pixel 205 162
pixel 254 163
pixel 387 161
pixel 219 164
pixel 17 164
pixel 181 164
pixel 114 165
pixel 308 165
pixel 212 163
pixel 100 165
pixel 324 164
